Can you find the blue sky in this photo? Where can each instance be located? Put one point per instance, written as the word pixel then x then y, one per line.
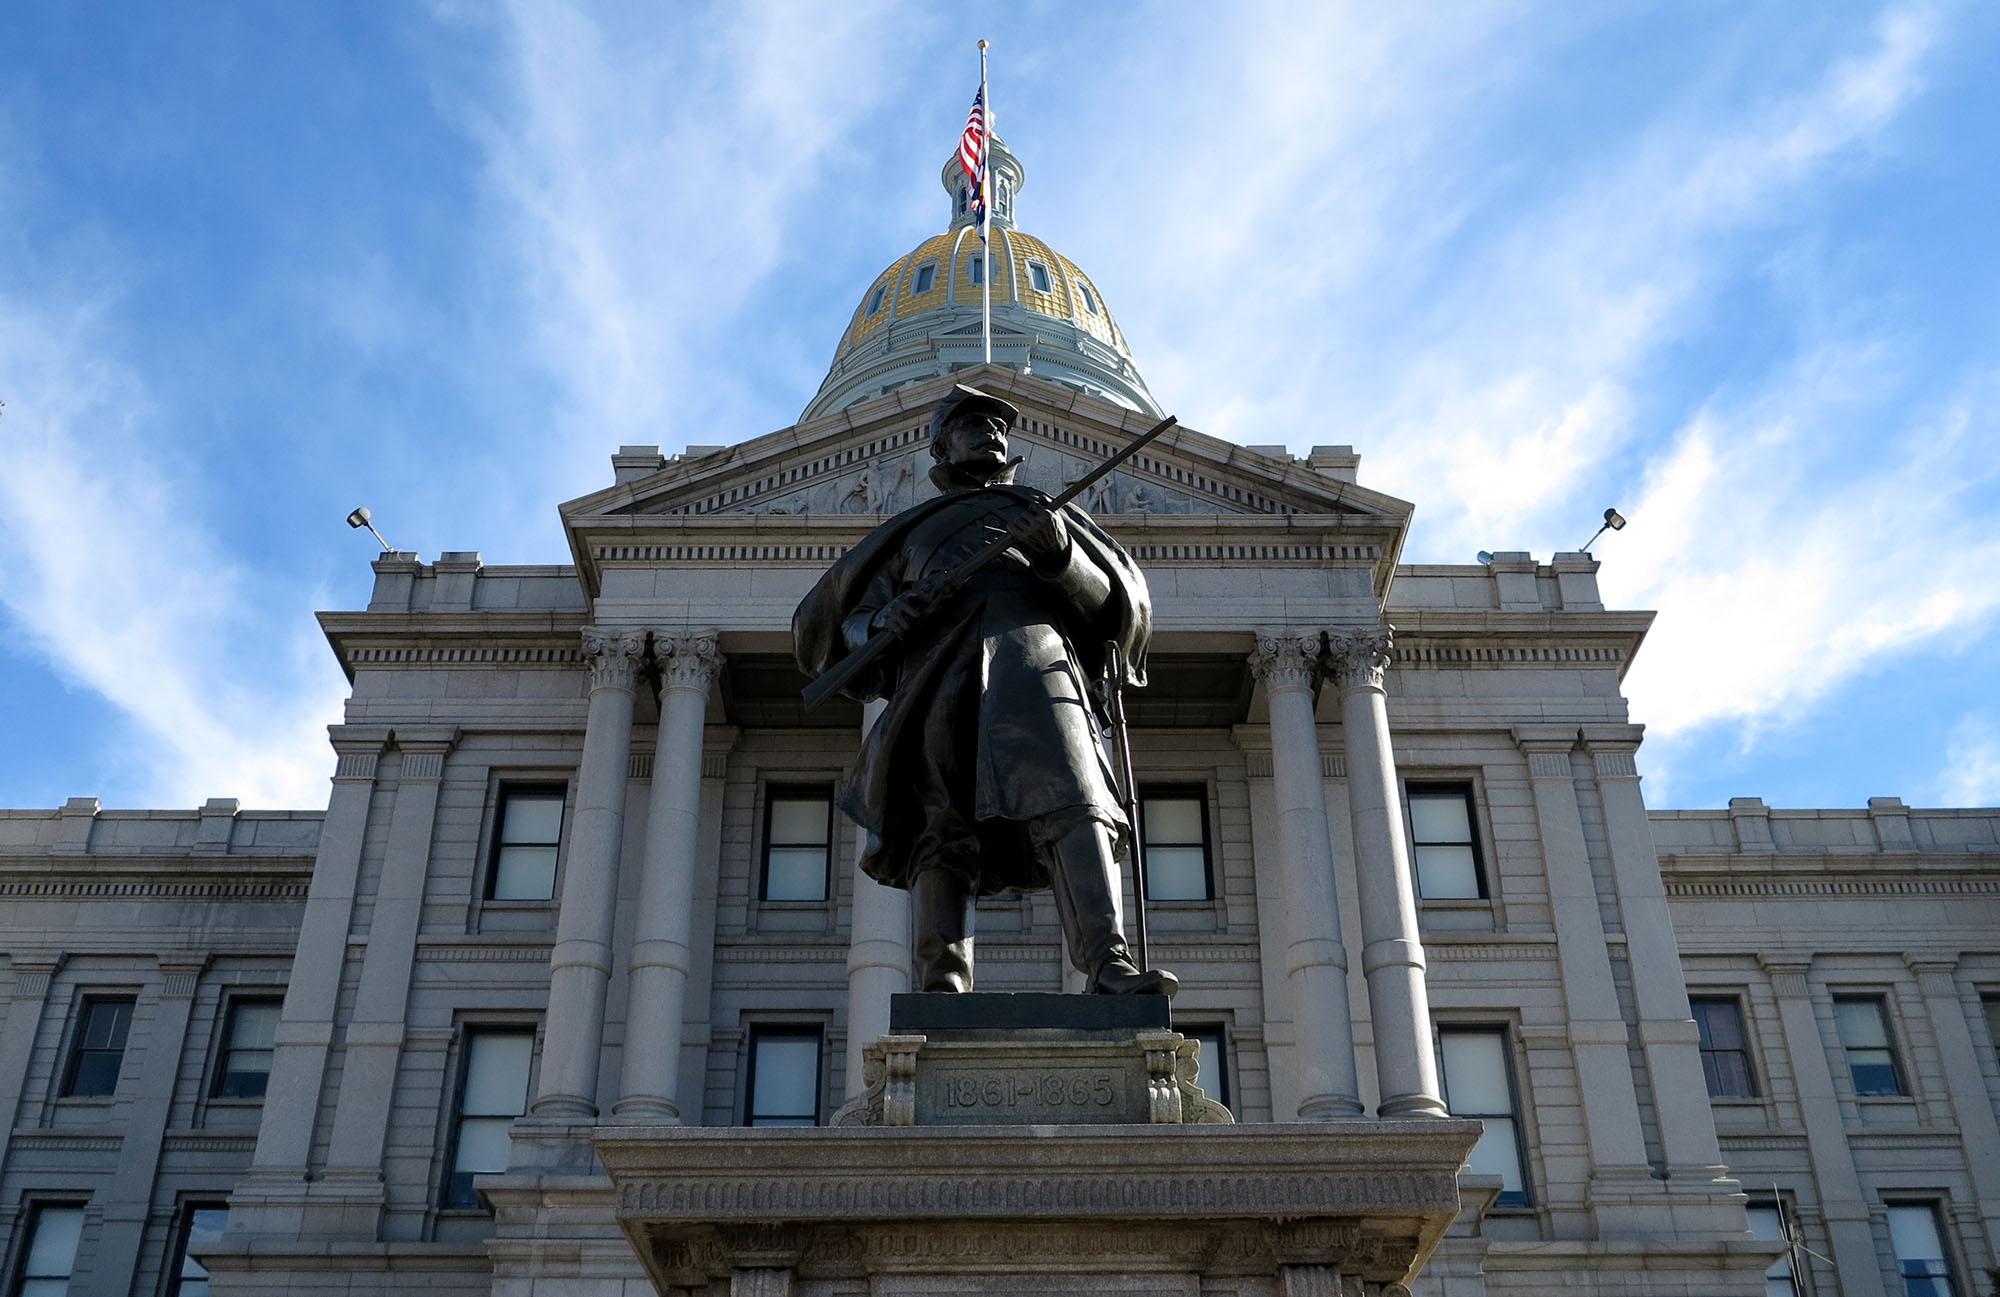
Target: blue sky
pixel 1731 268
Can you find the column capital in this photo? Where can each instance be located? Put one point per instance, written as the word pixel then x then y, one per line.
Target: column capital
pixel 1787 974
pixel 1287 659
pixel 1359 659
pixel 1613 749
pixel 182 973
pixel 687 659
pixel 613 655
pixel 33 971
pixel 1932 966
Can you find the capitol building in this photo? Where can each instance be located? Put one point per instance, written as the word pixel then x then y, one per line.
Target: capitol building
pixel 578 900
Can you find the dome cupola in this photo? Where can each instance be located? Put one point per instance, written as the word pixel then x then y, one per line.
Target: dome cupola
pixel 920 317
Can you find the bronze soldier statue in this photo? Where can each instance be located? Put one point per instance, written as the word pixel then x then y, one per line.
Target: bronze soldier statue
pixel 986 773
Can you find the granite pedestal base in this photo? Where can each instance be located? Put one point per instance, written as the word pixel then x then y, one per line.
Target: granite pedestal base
pixel 1036 1144
pixel 1347 1209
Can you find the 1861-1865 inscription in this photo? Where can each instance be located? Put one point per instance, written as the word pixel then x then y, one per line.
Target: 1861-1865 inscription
pixel 972 1095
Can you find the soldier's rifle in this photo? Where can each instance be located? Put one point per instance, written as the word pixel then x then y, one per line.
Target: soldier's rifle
pixel 837 677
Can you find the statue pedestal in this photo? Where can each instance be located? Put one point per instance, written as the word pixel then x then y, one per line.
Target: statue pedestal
pixel 1029 1060
pixel 1071 1157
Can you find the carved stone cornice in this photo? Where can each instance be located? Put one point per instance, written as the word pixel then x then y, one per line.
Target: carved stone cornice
pixel 1287 659
pixel 613 656
pixel 1366 1202
pixel 687 660
pixel 1359 659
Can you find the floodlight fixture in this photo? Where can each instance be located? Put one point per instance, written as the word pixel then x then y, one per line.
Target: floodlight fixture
pixel 1484 557
pixel 360 518
pixel 1613 521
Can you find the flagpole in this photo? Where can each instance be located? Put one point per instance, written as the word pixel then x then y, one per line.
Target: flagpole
pixel 986 215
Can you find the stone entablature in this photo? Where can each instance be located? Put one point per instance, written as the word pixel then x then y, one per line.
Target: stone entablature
pixel 1307 1209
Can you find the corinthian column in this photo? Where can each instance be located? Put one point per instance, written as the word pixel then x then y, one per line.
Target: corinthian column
pixel 580 965
pixel 1392 954
pixel 1315 961
pixel 878 948
pixel 659 968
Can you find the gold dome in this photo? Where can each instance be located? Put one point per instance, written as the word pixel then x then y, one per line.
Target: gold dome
pixel 893 296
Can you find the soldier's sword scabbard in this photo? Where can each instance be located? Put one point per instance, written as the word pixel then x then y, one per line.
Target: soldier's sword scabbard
pixel 837 677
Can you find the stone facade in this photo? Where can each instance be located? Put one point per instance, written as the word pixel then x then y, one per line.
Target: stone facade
pixel 648 689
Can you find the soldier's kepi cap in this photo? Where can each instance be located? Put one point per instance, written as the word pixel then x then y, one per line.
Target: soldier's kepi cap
pixel 962 398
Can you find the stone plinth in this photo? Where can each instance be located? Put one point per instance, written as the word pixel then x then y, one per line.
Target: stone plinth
pixel 1029 1060
pixel 1293 1210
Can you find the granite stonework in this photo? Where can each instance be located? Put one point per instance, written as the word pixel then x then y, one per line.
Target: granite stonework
pixel 1299 1210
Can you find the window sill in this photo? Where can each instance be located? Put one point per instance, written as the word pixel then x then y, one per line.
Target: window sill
pixel 230 1101
pixel 1886 1100
pixel 1738 1101
pixel 517 905
pixel 87 1101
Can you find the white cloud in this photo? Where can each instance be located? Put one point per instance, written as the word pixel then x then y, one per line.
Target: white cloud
pixel 647 174
pixel 1491 354
pixel 1971 773
pixel 107 570
pixel 1787 552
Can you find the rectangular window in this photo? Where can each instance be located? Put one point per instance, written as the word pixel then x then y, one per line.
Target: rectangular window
pixel 1173 834
pixel 1767 1222
pixel 493 1090
pixel 203 1223
pixel 248 1037
pixel 98 1050
pixel 1444 847
pixel 798 831
pixel 1863 1023
pixel 1038 275
pixel 1920 1259
pixel 1725 1054
pixel 783 1085
pixel 1992 1006
pixel 926 275
pixel 875 300
pixel 1213 1077
pixel 976 266
pixel 525 840
pixel 49 1253
pixel 1089 302
pixel 1478 1082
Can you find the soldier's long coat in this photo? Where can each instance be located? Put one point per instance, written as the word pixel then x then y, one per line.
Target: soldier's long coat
pixel 990 746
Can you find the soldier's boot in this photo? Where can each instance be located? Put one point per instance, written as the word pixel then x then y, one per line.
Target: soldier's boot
pixel 942 899
pixel 1084 871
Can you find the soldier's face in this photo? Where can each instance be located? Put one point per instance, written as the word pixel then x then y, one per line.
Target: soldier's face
pixel 975 441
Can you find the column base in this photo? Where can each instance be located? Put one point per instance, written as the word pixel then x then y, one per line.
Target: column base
pixel 1330 1107
pixel 1410 1105
pixel 646 1110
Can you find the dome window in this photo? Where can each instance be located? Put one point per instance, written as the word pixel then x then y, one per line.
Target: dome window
pixel 975 266
pixel 875 300
pixel 1089 301
pixel 1038 275
pixel 926 274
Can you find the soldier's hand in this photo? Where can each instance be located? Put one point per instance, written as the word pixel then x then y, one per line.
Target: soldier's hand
pixel 1046 541
pixel 908 608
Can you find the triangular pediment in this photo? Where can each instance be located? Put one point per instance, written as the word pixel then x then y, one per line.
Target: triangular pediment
pixel 874 459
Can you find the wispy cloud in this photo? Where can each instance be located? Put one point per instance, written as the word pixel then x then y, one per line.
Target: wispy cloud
pixel 1971 772
pixel 646 172
pixel 108 572
pixel 1494 353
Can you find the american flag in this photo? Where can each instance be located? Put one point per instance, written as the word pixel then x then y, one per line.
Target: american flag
pixel 972 156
